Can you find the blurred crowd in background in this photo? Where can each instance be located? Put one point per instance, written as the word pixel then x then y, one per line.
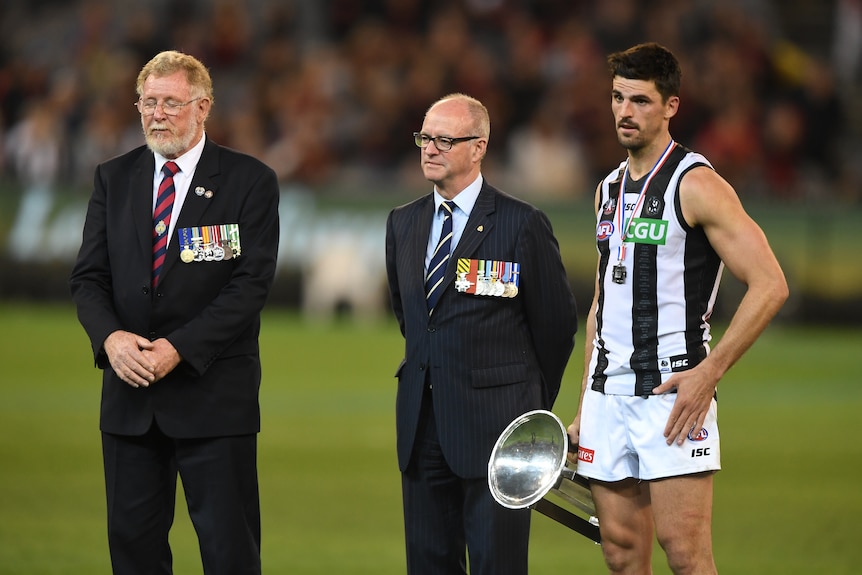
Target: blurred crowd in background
pixel 328 92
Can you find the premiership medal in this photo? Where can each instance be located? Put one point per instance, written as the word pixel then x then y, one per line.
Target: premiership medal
pixel 619 274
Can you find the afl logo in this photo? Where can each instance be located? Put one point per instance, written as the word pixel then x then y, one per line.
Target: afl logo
pixel 700 436
pixel 604 230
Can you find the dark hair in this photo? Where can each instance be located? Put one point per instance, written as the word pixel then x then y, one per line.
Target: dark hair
pixel 649 61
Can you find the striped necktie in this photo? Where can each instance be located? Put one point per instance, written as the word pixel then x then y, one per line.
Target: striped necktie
pixel 162 218
pixel 437 267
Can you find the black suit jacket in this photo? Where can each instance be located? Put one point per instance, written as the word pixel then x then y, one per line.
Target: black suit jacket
pixel 208 310
pixel 488 359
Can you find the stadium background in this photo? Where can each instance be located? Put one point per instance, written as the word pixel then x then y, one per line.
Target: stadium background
pixel 328 93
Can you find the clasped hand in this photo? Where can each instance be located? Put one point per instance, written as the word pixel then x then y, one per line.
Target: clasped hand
pixel 139 361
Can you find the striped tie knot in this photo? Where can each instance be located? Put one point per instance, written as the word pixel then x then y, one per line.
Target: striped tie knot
pixel 162 217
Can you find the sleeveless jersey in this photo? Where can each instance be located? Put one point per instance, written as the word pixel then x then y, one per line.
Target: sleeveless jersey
pixel 655 322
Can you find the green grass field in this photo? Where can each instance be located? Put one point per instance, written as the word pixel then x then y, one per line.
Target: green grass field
pixel 787 502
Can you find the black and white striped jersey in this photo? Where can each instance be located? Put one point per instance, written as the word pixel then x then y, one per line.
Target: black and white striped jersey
pixel 657 288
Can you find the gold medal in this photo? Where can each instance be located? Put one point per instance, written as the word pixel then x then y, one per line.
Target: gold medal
pixel 187 255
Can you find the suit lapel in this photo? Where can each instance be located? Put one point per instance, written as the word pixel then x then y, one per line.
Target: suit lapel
pixel 478 227
pixel 419 240
pixel 141 189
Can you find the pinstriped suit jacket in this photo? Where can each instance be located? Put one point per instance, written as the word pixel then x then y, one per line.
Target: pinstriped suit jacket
pixel 488 359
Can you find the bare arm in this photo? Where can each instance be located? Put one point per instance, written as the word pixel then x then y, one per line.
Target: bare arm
pixel 710 202
pixel 574 429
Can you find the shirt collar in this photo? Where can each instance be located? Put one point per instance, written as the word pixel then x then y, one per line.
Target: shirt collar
pixel 187 161
pixel 465 199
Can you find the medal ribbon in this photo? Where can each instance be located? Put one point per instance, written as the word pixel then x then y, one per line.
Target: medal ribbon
pixel 622 223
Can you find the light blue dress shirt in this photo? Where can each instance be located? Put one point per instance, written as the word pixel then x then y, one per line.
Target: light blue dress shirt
pixel 465 200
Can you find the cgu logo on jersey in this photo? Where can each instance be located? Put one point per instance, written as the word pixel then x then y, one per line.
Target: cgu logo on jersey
pixel 647 231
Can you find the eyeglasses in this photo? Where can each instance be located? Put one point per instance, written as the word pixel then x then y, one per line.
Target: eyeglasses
pixel 442 143
pixel 169 107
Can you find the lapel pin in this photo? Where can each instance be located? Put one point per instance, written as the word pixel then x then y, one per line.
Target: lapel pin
pixel 199 191
pixel 480 229
pixel 208 194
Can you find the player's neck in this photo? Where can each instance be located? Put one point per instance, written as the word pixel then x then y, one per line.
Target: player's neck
pixel 642 160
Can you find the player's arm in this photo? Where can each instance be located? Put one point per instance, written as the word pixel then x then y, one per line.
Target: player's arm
pixel 574 428
pixel 710 202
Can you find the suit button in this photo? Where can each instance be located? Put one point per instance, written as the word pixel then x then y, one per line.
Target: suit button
pixel 145 290
pixel 432 329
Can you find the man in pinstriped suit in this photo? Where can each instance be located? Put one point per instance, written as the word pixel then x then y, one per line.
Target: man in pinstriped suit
pixel 481 356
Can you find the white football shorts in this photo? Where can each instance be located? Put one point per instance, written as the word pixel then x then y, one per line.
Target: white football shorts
pixel 622 436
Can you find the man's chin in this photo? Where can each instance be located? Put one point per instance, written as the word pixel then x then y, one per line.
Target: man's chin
pixel 163 147
pixel 432 172
pixel 631 144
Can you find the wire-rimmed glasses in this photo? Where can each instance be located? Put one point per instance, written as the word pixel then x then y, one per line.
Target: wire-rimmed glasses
pixel 169 107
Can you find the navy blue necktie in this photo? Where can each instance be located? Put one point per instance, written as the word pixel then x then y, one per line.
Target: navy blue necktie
pixel 162 218
pixel 437 267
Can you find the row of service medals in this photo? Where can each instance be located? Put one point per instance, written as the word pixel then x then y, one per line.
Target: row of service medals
pixel 488 277
pixel 209 243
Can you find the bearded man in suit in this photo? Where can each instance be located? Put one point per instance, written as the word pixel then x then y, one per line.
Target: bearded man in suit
pixel 481 296
pixel 177 259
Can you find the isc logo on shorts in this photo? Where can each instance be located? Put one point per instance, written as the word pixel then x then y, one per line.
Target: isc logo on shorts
pixel 585 455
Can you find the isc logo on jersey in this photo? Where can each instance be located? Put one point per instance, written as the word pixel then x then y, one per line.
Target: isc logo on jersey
pixel 647 231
